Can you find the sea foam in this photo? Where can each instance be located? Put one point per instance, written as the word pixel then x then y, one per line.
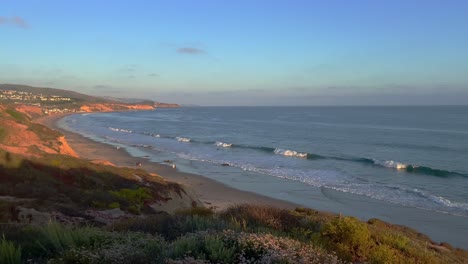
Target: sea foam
pixel 120 130
pixel 392 164
pixel 222 144
pixel 183 139
pixel 290 153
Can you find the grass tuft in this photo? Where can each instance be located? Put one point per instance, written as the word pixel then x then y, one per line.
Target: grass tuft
pixel 9 253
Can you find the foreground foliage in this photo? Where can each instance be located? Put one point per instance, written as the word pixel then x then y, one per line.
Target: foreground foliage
pixel 241 234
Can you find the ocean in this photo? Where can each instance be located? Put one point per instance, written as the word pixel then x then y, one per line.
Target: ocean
pixel 415 157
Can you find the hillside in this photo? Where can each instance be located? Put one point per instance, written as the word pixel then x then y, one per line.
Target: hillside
pixel 40 173
pixel 52 91
pixel 52 100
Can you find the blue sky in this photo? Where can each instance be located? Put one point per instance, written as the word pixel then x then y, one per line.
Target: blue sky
pixel 241 52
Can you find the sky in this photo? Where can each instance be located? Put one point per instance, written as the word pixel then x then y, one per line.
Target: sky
pixel 244 52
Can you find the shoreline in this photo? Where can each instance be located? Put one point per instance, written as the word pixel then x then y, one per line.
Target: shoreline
pixel 211 193
pixel 439 227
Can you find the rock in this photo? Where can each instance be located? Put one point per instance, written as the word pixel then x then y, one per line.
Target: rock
pixel 32 216
pixel 225 164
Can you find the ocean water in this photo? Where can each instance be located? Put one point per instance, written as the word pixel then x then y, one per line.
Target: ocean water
pixel 416 157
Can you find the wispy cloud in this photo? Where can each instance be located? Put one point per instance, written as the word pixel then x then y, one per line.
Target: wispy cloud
pixel 153 75
pixel 102 87
pixel 14 21
pixel 129 68
pixel 190 51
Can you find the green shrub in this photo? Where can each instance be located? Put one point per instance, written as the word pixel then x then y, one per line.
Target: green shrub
pixel 187 245
pixel 54 238
pixel 114 205
pixel 16 115
pixel 218 251
pixel 260 216
pixel 135 197
pixel 384 254
pixel 2 133
pixel 349 237
pixel 112 247
pixel 9 253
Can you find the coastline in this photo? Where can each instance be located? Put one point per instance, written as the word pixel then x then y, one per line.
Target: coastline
pixel 439 227
pixel 212 193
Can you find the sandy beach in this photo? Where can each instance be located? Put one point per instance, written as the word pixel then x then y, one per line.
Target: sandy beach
pixel 212 193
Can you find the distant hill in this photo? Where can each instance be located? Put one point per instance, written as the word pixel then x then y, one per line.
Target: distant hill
pixel 128 100
pixel 51 91
pixel 83 98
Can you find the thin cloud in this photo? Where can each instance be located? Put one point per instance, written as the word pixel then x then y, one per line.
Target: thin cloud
pixel 129 68
pixel 153 75
pixel 102 87
pixel 190 51
pixel 14 21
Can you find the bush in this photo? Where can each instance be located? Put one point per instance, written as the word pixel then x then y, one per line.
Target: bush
pixel 111 247
pixel 135 197
pixel 16 115
pixel 260 216
pixel 349 237
pixel 55 238
pixel 9 253
pixel 384 254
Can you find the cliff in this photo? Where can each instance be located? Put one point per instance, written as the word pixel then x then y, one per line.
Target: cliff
pixel 166 105
pixel 43 178
pixel 110 107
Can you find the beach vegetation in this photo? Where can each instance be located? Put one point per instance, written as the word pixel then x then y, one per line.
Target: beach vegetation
pixel 134 197
pixel 17 115
pixel 347 236
pixel 216 238
pixel 9 252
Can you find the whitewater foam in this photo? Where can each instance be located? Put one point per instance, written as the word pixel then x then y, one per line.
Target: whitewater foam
pixel 182 139
pixel 222 144
pixel 392 164
pixel 290 153
pixel 120 130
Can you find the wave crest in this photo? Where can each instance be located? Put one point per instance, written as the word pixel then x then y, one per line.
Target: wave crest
pixel 290 153
pixel 120 130
pixel 183 139
pixel 222 144
pixel 393 164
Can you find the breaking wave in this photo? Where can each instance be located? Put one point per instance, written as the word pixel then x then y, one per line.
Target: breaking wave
pixel 120 130
pixel 290 153
pixel 339 181
pixel 391 164
pixel 183 139
pixel 416 169
pixel 222 144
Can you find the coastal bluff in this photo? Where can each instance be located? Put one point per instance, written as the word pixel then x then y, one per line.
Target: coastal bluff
pixel 42 178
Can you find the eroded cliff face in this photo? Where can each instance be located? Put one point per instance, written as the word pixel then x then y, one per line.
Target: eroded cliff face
pixel 18 134
pixel 114 107
pixel 65 149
